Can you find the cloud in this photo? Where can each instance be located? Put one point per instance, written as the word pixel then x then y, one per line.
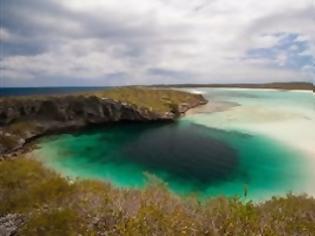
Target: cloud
pixel 4 35
pixel 148 41
pixel 288 51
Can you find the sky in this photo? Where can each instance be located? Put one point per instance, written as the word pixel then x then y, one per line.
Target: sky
pixel 121 42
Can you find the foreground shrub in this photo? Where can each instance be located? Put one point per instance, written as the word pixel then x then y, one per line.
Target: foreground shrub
pixel 25 184
pixel 52 205
pixel 53 222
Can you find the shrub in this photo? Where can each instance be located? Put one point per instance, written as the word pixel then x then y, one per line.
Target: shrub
pixel 52 205
pixel 52 223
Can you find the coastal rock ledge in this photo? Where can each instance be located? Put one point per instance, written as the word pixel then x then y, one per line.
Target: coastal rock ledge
pixel 22 119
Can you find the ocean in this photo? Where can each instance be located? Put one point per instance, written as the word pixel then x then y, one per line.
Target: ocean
pixel 5 92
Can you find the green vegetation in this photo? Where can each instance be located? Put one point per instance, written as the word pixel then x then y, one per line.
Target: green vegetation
pixel 159 100
pixel 22 118
pixel 53 205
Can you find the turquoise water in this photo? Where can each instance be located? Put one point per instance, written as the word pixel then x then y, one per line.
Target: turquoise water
pixel 195 155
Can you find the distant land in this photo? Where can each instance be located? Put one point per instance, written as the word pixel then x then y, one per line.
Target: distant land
pixel 38 91
pixel 275 85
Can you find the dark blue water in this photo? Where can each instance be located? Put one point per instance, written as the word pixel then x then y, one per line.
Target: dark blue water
pixel 5 92
pixel 189 158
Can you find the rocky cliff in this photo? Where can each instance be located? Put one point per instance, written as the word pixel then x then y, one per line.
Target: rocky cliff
pixel 22 119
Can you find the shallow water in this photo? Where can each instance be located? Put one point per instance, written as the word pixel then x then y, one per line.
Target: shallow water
pixel 287 116
pixel 204 153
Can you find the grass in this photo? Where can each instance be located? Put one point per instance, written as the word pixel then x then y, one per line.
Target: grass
pixel 53 205
pixel 159 100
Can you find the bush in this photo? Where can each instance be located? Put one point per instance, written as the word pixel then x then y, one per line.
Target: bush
pixel 52 223
pixel 52 205
pixel 25 184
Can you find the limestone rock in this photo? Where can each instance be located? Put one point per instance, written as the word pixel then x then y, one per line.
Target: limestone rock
pixel 24 118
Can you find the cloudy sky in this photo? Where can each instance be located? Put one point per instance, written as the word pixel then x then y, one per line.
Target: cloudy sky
pixel 117 42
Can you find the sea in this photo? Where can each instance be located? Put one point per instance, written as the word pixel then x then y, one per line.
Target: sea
pixel 31 91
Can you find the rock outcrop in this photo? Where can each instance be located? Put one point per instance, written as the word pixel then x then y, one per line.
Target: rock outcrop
pixel 78 109
pixel 9 224
pixel 24 118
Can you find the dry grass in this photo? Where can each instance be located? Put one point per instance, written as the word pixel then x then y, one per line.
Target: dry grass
pixel 156 99
pixel 160 100
pixel 51 205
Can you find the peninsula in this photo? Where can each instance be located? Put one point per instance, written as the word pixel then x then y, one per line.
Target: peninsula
pixel 25 118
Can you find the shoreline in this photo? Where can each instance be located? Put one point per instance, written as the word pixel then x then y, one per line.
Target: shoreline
pixel 256 197
pixel 53 115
